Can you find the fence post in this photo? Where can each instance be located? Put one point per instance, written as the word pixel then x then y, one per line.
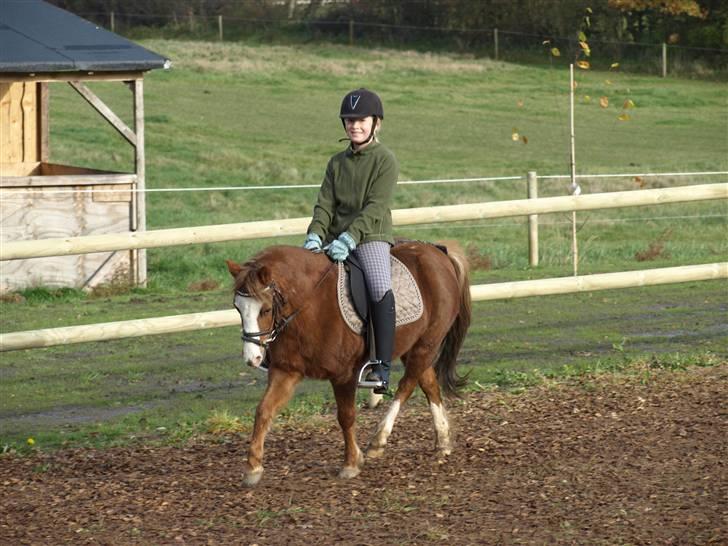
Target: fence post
pixel 219 25
pixel 664 60
pixel 351 32
pixel 495 43
pixel 532 221
pixel 112 22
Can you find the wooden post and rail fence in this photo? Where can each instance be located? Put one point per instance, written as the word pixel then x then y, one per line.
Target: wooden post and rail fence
pixel 296 226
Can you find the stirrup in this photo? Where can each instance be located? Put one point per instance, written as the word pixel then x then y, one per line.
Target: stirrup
pixel 365 369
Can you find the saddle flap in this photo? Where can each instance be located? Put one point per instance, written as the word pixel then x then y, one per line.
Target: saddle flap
pixel 408 299
pixel 358 287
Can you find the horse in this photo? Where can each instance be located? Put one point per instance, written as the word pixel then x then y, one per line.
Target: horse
pixel 291 322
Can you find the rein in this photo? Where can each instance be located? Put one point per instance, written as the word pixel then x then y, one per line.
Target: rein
pixel 279 323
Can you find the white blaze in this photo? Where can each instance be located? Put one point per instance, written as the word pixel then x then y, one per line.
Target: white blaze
pixel 249 309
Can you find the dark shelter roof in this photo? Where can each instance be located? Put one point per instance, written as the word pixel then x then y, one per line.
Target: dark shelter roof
pixel 38 37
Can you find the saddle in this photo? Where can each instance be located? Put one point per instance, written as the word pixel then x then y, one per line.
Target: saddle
pixel 354 299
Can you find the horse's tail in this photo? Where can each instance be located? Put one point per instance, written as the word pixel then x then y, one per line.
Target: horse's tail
pixel 449 380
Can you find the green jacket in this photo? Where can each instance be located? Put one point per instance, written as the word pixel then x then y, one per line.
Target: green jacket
pixel 356 195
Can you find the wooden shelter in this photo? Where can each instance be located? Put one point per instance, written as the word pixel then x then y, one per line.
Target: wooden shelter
pixel 40 45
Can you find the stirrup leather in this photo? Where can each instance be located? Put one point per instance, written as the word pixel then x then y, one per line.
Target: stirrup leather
pixel 365 369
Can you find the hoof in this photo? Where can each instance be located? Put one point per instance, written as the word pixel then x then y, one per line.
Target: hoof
pixel 374 399
pixel 252 477
pixel 349 472
pixel 444 452
pixel 375 452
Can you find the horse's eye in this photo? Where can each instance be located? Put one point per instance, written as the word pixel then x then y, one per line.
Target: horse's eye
pixel 264 311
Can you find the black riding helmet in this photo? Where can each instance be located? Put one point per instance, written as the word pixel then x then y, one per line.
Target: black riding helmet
pixel 361 103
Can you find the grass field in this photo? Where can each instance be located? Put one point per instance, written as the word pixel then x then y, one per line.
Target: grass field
pixel 231 114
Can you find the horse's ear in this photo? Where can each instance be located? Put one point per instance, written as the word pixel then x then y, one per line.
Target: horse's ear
pixel 233 267
pixel 264 276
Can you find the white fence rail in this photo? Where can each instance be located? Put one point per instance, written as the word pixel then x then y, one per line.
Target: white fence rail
pixel 251 230
pixel 481 292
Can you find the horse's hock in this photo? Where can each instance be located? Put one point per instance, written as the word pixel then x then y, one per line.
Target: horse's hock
pixel 44 200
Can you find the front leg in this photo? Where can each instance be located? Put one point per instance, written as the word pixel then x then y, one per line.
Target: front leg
pixel 346 414
pixel 281 386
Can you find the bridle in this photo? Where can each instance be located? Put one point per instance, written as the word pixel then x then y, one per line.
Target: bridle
pixel 279 321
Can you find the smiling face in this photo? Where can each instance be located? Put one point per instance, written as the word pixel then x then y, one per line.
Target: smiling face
pixel 358 130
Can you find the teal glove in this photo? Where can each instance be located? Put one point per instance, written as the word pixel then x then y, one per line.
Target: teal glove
pixel 339 249
pixel 313 243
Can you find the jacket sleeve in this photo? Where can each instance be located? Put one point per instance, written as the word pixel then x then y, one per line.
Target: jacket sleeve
pixel 323 210
pixel 378 201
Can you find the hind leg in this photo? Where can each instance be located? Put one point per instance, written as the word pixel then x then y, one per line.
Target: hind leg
pixel 413 369
pixel 346 414
pixel 431 388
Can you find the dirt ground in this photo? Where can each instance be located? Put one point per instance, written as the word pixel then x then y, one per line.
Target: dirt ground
pixel 609 460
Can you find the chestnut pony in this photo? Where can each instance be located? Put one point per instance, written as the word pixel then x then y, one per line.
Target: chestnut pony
pixel 287 300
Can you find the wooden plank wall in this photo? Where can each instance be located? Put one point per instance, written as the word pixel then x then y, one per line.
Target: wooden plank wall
pixel 20 127
pixel 40 213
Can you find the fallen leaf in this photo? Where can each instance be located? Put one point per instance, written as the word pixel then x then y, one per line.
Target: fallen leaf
pixel 584 65
pixel 604 102
pixel 613 66
pixel 624 116
pixel 629 103
pixel 514 135
pixel 524 138
pixel 519 104
pixel 555 52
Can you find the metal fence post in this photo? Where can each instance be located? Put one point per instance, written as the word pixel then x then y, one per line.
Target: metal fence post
pixel 351 32
pixel 532 221
pixel 664 60
pixel 495 43
pixel 219 25
pixel 112 22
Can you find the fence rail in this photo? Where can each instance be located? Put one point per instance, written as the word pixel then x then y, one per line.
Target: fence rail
pixel 249 230
pixel 33 339
pixel 296 226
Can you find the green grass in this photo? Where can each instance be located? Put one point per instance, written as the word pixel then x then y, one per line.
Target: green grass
pixel 234 114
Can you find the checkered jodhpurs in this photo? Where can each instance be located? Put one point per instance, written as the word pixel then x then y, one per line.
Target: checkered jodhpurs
pixel 374 259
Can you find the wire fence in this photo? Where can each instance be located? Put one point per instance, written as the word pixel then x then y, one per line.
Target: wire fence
pixel 498 44
pixel 636 176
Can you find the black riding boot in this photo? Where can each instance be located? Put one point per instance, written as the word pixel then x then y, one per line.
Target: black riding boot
pixel 383 320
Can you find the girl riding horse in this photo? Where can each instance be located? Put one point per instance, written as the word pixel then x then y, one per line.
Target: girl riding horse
pixel 353 215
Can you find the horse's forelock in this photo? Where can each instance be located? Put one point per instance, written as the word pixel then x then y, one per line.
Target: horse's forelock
pixel 251 279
